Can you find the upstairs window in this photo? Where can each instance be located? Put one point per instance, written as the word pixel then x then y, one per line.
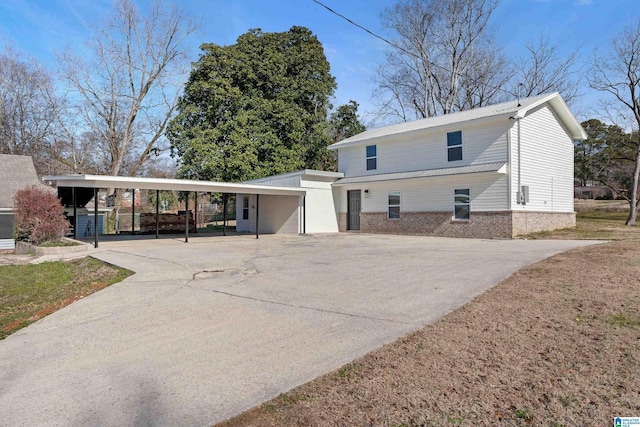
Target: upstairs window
pixel 372 158
pixel 454 145
pixel 462 204
pixel 393 211
pixel 245 207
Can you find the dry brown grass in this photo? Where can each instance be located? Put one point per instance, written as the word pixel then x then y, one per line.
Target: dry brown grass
pixel 556 344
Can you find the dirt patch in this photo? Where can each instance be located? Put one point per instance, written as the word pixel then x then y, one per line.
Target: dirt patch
pixel 556 344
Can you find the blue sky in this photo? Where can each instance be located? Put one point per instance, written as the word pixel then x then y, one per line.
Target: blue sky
pixel 38 28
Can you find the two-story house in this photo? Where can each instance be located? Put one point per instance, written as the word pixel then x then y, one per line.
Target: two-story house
pixel 496 171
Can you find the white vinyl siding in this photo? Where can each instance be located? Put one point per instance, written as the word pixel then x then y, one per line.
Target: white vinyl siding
pixel 278 214
pixel 488 193
pixel 7 244
pixel 483 143
pixel 547 163
pixel 279 181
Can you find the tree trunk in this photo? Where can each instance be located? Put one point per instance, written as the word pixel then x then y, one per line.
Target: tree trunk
pixel 633 200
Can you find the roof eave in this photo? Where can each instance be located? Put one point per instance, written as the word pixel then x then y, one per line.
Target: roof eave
pixel 576 132
pixel 105 181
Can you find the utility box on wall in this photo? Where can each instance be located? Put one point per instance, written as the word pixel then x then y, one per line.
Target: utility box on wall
pixel 523 195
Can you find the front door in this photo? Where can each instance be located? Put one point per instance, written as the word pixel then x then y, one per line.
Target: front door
pixel 353 210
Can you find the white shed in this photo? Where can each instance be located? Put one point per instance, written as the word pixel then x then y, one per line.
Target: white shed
pixel 313 213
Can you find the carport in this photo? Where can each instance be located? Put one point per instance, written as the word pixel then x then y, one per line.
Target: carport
pixel 77 187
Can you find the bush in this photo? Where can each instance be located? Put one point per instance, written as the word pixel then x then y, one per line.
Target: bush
pixel 39 216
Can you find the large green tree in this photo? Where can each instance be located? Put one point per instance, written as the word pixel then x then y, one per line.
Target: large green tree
pixel 254 108
pixel 607 156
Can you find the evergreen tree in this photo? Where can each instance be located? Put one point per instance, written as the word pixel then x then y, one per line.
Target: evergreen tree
pixel 255 108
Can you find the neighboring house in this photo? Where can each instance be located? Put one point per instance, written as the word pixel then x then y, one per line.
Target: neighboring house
pixel 592 190
pixel 496 171
pixel 491 172
pixel 16 173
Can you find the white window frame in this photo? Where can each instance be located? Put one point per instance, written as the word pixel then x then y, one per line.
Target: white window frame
pixel 389 205
pixel 449 147
pixel 374 157
pixel 456 203
pixel 245 208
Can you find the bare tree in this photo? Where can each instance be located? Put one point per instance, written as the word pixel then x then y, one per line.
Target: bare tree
pixel 445 58
pixel 26 115
pixel 127 91
pixel 544 70
pixel 617 73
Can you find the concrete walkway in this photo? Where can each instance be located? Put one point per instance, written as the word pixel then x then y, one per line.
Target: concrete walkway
pixel 208 329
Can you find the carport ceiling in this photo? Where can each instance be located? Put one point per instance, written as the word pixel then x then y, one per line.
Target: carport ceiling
pixel 106 181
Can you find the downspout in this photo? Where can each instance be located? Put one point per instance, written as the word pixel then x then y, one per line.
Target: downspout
pixel 517 118
pixel 519 164
pixel 510 170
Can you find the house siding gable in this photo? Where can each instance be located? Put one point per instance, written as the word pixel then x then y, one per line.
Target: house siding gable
pixel 546 161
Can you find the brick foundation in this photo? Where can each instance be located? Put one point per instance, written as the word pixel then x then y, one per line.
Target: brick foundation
pixel 531 222
pixel 483 225
pixel 342 221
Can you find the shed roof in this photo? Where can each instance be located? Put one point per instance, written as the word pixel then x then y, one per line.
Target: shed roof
pixel 505 109
pixel 107 181
pixel 499 167
pixel 311 174
pixel 16 173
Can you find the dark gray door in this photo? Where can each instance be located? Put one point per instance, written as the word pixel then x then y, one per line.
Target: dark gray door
pixel 353 210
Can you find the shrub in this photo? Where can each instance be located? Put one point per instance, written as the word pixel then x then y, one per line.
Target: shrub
pixel 39 216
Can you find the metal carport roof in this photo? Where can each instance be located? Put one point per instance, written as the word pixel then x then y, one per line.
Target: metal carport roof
pixel 107 181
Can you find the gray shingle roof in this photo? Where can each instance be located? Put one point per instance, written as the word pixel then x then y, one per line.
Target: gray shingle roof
pixel 511 108
pixel 16 172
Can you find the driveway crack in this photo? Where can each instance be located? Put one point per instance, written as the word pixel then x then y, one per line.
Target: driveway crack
pixel 321 310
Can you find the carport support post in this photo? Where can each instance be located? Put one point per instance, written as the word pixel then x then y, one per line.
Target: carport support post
pixel 157 213
pixel 75 214
pixel 133 211
pixel 257 215
pixel 186 215
pixel 224 214
pixel 95 218
pixel 195 212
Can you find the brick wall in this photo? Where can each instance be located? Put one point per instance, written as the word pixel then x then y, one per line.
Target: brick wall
pixel 483 225
pixel 342 221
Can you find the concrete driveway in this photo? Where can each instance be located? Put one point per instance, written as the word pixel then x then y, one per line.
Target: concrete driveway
pixel 208 329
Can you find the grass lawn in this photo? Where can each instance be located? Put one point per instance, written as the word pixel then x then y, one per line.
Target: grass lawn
pixel 598 225
pixel 211 228
pixel 555 344
pixel 30 292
